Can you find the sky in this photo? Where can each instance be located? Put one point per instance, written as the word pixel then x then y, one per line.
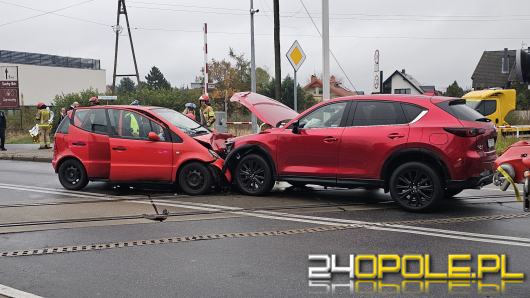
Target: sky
pixel 437 42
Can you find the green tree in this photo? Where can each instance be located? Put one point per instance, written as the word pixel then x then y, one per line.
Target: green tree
pixel 262 79
pixel 156 80
pixel 454 90
pixel 126 86
pixel 305 100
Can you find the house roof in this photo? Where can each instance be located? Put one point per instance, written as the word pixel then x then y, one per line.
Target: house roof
pixel 334 86
pixel 408 78
pixel 488 72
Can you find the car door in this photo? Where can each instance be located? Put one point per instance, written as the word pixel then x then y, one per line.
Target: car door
pixel 134 157
pixel 313 151
pixel 374 130
pixel 88 140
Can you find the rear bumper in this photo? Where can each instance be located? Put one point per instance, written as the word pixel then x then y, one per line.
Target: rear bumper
pixel 485 178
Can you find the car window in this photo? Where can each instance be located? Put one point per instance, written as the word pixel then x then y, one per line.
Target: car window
pixel 460 110
pixel 63 126
pixel 92 120
pixel 324 117
pixel 370 113
pixel 411 111
pixel 132 125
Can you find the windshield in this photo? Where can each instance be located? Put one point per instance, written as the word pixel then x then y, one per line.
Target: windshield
pixel 182 122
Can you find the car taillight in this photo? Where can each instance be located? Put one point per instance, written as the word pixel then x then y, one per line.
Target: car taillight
pixel 465 131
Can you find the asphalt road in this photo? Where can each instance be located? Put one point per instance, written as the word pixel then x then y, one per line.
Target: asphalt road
pixel 58 243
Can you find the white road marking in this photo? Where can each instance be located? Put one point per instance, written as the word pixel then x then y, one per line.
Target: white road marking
pixel 14 293
pixel 456 236
pixel 489 238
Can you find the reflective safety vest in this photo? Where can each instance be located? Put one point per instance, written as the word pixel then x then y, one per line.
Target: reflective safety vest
pixel 43 117
pixel 208 116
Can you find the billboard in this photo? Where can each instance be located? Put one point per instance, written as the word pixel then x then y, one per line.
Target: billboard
pixel 9 91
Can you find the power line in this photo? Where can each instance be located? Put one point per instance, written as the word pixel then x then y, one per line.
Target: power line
pixel 315 14
pixel 343 16
pixel 488 37
pixel 330 51
pixel 44 12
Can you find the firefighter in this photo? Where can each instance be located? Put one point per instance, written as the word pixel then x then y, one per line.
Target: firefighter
pixel 73 106
pixel 93 101
pixel 207 112
pixel 43 122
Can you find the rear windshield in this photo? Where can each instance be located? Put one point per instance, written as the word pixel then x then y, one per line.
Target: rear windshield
pixel 460 110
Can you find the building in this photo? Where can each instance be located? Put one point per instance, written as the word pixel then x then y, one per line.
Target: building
pixel 336 89
pixel 401 82
pixel 41 77
pixel 495 69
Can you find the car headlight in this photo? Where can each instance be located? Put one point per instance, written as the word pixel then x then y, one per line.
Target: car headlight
pixel 214 154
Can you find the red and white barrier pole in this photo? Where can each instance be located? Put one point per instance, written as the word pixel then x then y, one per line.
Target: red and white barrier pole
pixel 205 29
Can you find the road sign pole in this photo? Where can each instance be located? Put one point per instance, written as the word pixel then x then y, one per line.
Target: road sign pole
pixel 325 51
pixel 295 95
pixel 252 63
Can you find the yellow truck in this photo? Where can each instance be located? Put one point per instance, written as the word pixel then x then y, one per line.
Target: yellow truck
pixel 496 104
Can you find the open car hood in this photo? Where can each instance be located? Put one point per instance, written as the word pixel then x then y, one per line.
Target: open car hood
pixel 266 109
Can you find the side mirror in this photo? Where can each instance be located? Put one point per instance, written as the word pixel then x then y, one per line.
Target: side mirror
pixel 296 127
pixel 153 137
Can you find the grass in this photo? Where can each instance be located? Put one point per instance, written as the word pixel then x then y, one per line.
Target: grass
pixel 503 142
pixel 19 138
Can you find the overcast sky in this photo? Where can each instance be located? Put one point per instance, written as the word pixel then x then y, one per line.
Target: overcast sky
pixel 435 41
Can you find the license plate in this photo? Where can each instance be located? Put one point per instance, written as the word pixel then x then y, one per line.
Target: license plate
pixel 491 143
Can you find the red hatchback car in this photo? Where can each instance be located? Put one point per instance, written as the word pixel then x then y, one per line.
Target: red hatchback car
pixel 418 148
pixel 124 144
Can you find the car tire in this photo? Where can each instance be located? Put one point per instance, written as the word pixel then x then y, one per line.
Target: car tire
pixel 253 175
pixel 195 179
pixel 452 192
pixel 416 187
pixel 72 175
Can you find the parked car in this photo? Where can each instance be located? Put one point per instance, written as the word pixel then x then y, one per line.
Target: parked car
pixel 124 144
pixel 418 148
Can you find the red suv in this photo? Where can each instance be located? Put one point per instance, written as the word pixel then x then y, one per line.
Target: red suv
pixel 136 144
pixel 418 148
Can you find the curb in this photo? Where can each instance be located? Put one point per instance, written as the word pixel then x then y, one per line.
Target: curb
pixel 26 158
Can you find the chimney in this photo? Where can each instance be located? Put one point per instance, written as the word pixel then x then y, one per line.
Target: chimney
pixel 403 71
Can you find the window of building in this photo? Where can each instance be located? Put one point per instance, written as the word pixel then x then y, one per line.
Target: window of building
pixel 402 91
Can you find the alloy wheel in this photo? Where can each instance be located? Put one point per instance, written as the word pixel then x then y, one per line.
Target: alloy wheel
pixel 415 188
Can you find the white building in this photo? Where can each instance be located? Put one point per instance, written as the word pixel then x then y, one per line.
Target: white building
pixel 41 77
pixel 401 83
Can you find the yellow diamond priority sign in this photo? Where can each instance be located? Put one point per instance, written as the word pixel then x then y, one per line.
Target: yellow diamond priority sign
pixel 296 55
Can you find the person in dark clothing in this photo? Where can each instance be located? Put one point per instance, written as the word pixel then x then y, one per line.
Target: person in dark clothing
pixel 3 124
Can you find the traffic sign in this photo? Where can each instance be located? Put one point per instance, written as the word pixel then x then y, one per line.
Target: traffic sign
pixel 9 92
pixel 107 97
pixel 296 55
pixel 9 73
pixel 377 74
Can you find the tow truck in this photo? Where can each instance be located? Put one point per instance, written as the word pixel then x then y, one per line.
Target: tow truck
pixel 496 104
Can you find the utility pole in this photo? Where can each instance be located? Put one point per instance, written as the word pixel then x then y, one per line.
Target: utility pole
pixel 205 30
pixel 277 57
pixel 122 9
pixel 253 62
pixel 325 50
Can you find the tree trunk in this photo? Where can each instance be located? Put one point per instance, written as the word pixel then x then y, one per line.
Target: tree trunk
pixel 277 56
